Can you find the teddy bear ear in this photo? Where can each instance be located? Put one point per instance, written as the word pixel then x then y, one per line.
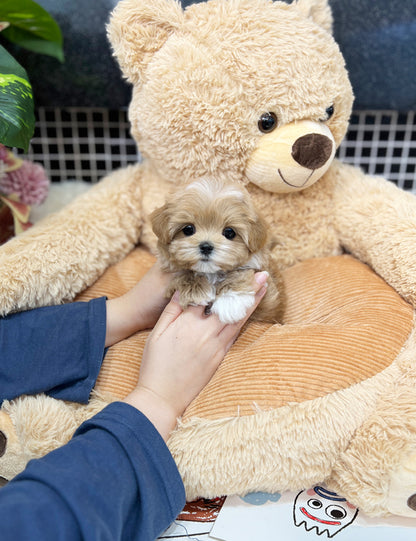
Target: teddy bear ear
pixel 139 28
pixel 317 10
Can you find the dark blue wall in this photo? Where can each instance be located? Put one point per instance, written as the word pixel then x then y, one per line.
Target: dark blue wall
pixel 377 37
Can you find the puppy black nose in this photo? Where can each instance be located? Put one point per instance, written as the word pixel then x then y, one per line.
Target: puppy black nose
pixel 206 248
pixel 312 150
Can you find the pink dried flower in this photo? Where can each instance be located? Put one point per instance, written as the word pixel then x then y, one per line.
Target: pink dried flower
pixel 8 160
pixel 29 182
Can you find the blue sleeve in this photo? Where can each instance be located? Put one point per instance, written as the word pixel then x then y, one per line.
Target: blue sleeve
pixel 55 349
pixel 116 479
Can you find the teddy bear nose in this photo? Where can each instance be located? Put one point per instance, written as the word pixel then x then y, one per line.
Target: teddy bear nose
pixel 411 502
pixel 206 248
pixel 312 150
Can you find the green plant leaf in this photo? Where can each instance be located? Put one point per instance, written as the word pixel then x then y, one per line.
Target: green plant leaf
pixel 17 119
pixel 31 27
pixel 33 43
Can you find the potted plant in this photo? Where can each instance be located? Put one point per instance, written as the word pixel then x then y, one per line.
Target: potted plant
pixel 26 24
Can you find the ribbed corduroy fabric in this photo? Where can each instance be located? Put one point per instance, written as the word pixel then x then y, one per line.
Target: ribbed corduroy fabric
pixel 342 325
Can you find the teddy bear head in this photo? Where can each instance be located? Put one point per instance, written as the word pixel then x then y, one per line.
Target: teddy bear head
pixel 246 90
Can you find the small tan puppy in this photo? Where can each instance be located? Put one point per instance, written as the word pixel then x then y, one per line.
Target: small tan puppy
pixel 212 239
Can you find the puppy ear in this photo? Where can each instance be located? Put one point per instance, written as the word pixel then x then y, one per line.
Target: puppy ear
pixel 254 233
pixel 257 234
pixel 160 224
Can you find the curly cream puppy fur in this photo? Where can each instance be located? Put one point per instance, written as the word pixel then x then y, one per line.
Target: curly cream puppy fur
pixel 211 237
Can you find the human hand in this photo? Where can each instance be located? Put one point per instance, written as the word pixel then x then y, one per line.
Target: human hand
pixel 180 357
pixel 139 308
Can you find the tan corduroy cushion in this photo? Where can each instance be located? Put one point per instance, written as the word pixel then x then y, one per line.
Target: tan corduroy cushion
pixel 342 324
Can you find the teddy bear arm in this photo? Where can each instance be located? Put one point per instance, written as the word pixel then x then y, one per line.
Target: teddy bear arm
pixel 67 251
pixel 376 222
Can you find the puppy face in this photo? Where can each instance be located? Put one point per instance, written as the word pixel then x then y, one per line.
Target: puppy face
pixel 208 227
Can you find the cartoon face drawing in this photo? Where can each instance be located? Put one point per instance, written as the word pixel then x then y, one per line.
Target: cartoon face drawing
pixel 323 510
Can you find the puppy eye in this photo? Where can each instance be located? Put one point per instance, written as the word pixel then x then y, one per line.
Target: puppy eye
pixel 229 233
pixel 267 122
pixel 188 230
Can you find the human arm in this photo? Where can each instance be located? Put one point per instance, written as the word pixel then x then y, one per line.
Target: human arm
pixel 181 355
pixel 116 478
pixel 139 308
pixel 53 349
pixel 59 349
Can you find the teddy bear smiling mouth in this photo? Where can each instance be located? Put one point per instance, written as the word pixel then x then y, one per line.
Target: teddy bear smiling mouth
pixel 296 185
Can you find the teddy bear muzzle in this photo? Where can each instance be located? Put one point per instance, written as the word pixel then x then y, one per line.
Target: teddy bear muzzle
pixel 291 157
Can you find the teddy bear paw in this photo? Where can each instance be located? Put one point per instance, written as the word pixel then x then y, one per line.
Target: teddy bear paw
pixel 401 497
pixel 232 306
pixel 3 447
pixel 12 457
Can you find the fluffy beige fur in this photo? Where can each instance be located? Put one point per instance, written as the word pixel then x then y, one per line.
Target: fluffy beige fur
pixel 212 239
pixel 224 89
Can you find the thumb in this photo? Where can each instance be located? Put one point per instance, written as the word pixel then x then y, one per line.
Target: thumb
pixel 171 312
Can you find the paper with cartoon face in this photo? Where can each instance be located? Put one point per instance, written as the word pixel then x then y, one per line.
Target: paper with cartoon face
pixel 323 510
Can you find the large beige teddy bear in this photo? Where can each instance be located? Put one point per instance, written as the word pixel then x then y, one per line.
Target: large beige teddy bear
pixel 252 91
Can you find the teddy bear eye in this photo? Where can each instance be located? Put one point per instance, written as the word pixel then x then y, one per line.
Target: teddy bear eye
pixel 229 233
pixel 267 122
pixel 329 111
pixel 188 230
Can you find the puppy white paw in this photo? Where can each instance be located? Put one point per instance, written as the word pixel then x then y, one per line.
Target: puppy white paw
pixel 231 307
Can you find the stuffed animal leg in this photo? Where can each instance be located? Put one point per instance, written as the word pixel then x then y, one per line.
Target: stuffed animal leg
pixel 32 426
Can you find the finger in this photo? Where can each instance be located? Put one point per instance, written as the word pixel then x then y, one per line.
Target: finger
pixel 260 280
pixel 170 314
